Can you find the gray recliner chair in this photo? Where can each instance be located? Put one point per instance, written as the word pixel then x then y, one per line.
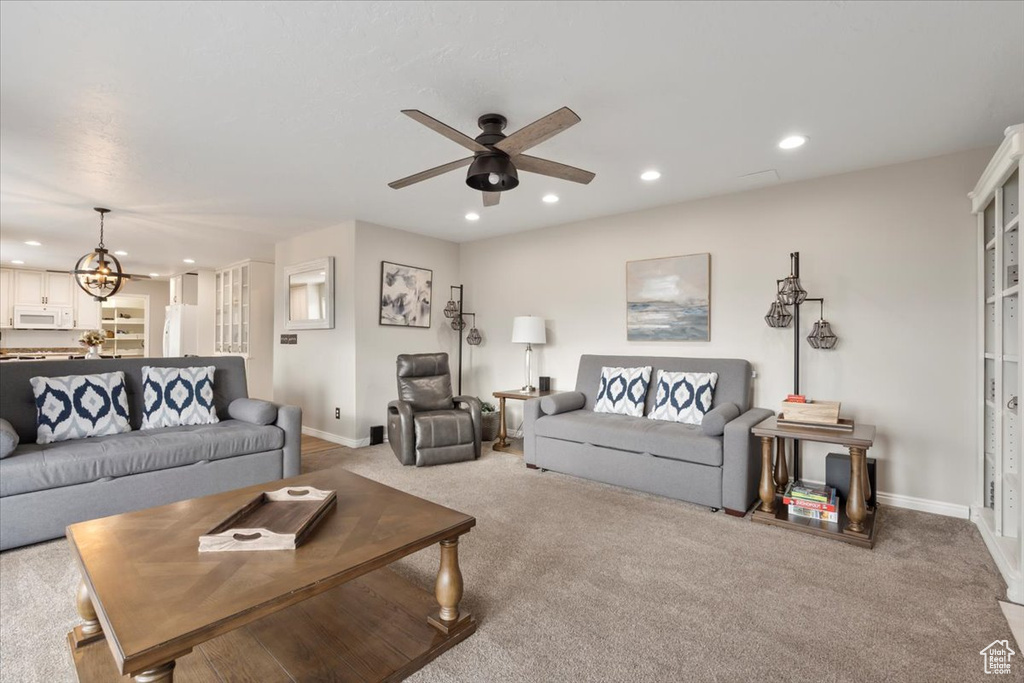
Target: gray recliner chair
pixel 427 425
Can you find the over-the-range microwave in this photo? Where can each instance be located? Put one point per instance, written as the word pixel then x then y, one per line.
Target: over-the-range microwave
pixel 43 318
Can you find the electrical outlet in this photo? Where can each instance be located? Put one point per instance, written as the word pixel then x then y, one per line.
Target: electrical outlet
pixel 337 413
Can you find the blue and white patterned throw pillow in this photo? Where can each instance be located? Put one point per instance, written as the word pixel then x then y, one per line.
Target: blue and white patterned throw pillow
pixel 78 406
pixel 177 396
pixel 683 396
pixel 623 391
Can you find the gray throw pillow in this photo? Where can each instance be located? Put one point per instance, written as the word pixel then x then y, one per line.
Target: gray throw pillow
pixel 8 438
pixel 253 410
pixel 715 419
pixel 562 402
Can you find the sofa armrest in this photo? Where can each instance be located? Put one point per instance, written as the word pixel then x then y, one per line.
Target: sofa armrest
pixel 741 460
pixel 562 402
pixel 531 411
pixel 472 405
pixel 402 432
pixel 289 419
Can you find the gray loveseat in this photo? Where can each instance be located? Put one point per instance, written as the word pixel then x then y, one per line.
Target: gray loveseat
pixel 44 488
pixel 564 434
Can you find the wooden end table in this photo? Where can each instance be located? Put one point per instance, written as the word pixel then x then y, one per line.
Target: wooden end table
pixel 155 608
pixel 503 443
pixel 856 523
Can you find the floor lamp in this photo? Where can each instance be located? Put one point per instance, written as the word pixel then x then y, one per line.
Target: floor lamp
pixel 458 317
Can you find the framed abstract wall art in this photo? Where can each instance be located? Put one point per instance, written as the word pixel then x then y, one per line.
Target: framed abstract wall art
pixel 669 299
pixel 405 294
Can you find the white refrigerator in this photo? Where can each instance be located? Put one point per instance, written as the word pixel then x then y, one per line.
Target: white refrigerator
pixel 181 331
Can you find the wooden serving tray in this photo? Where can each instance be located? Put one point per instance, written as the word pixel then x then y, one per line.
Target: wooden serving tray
pixel 273 520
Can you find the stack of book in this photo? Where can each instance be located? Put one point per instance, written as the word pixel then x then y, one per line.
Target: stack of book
pixel 820 503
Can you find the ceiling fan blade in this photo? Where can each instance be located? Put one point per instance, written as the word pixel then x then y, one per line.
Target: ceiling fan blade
pixel 538 131
pixel 491 198
pixel 445 130
pixel 430 173
pixel 524 162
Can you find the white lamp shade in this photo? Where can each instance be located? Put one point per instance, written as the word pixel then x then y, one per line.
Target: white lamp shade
pixel 528 329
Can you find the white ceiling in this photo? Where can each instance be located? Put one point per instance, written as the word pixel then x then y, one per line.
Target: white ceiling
pixel 216 129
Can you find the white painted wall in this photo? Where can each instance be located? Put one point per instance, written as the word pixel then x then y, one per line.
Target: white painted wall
pixel 891 249
pixel 377 346
pixel 318 373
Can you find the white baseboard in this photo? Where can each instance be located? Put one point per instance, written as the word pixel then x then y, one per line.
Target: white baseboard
pixel 335 438
pixel 935 507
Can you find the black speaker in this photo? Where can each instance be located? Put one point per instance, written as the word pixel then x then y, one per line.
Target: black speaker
pixel 376 435
pixel 544 383
pixel 837 475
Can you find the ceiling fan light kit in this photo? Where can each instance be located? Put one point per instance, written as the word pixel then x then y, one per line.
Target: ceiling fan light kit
pixel 497 158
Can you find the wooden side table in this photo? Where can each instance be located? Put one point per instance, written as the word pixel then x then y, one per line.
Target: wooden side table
pixel 856 523
pixel 503 443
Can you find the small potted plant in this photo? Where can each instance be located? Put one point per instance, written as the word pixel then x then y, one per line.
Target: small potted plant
pixel 490 421
pixel 93 341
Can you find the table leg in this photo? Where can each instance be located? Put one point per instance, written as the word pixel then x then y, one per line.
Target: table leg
pixel 158 674
pixel 781 470
pixel 856 509
pixel 767 488
pixel 867 479
pixel 89 630
pixel 448 590
pixel 502 426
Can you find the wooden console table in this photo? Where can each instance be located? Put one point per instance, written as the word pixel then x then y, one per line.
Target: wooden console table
pixel 856 523
pixel 503 443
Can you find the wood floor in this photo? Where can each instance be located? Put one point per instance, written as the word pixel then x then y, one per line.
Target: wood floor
pixel 311 444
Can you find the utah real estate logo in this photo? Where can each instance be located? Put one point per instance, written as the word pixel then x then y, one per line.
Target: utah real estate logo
pixel 997 657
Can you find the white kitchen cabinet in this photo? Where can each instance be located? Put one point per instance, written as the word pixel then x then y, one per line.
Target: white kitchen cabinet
pixel 184 289
pixel 244 318
pixel 998 510
pixel 6 297
pixel 88 311
pixel 33 287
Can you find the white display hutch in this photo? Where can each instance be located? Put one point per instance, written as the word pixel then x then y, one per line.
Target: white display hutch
pixel 997 508
pixel 126 316
pixel 244 318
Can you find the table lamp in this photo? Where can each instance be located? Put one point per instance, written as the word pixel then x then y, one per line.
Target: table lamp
pixel 529 330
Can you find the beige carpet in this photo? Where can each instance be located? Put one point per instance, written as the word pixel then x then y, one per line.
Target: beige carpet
pixel 577 581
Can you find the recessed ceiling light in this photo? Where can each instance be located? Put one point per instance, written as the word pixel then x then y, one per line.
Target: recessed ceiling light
pixel 189 260
pixel 550 198
pixel 120 252
pixel 472 216
pixel 792 142
pixel 17 262
pixel 650 175
pixel 33 243
pixel 154 274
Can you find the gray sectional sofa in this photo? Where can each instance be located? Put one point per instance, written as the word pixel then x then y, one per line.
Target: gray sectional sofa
pixel 564 434
pixel 45 487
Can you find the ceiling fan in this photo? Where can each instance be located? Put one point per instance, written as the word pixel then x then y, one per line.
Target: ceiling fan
pixel 497 157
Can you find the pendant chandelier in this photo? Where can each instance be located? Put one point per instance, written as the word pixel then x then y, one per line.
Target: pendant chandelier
pixel 99 273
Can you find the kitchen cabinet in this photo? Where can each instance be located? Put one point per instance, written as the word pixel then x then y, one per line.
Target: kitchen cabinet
pixel 88 311
pixel 185 289
pixel 34 287
pixel 6 297
pixel 244 315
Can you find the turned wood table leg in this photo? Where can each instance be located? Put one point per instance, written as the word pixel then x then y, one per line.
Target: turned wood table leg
pixel 867 479
pixel 448 591
pixel 502 425
pixel 856 510
pixel 158 674
pixel 767 488
pixel 90 629
pixel 781 470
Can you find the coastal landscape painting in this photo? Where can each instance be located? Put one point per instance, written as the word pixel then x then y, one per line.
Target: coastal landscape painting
pixel 669 299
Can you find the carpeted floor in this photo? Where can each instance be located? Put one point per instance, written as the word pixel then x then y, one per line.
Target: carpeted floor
pixel 577 581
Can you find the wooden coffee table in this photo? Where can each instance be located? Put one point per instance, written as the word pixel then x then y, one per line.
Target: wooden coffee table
pixel 155 608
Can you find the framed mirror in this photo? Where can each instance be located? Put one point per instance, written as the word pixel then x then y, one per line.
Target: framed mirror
pixel 309 295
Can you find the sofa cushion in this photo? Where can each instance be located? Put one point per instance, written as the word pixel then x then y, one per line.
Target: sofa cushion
pixel 623 390
pixel 79 406
pixel 715 420
pixel 438 428
pixel 673 440
pixel 683 396
pixel 8 438
pixel 177 396
pixel 36 467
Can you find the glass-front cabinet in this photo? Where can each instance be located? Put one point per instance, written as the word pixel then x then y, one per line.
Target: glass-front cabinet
pixel 997 505
pixel 232 312
pixel 244 316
